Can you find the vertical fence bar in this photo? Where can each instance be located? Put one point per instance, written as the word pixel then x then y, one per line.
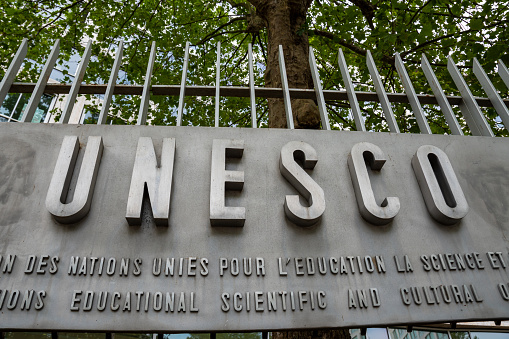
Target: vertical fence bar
pixel 286 92
pixel 183 86
pixel 78 78
pixel 503 72
pixel 352 98
pixel 41 83
pixel 471 111
pixel 412 96
pixel 103 116
pixel 382 96
pixel 16 105
pixel 252 97
pixel 440 96
pixel 13 69
pixel 492 93
pixel 318 90
pixel 145 97
pixel 218 83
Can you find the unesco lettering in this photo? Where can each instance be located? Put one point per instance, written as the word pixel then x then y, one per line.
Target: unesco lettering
pixel 437 180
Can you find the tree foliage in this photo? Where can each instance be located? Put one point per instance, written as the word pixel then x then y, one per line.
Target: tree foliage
pixel 463 29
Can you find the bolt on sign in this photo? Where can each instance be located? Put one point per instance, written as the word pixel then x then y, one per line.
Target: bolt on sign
pixel 139 228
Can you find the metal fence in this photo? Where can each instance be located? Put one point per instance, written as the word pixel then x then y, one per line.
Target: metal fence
pixel 469 105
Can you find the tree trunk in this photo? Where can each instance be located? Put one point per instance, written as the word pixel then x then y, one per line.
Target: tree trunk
pixel 286 26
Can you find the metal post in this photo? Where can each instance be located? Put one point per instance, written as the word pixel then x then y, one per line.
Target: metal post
pixel 412 96
pixel 14 108
pixel 318 90
pixel 440 96
pixel 41 83
pixel 78 79
pixel 471 111
pixel 142 115
pixel 218 82
pixel 103 116
pixel 382 95
pixel 492 93
pixel 286 92
pixel 183 85
pixel 252 97
pixel 352 98
pixel 13 69
pixel 503 72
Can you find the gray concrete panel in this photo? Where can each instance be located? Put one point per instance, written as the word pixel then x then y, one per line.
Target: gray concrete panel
pixel 343 271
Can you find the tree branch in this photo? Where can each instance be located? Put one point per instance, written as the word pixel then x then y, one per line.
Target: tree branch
pixel 130 17
pixel 235 51
pixel 418 11
pixel 256 3
pixel 240 4
pixel 201 20
pixel 336 115
pixel 221 33
pixel 261 45
pixel 60 12
pixel 264 112
pixel 340 41
pixel 237 64
pixel 367 9
pixel 432 41
pixel 215 32
pixel 350 46
pixel 145 30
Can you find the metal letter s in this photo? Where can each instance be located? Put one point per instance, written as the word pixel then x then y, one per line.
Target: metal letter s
pixel 305 185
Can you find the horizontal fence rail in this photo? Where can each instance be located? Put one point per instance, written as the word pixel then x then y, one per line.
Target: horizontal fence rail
pixel 243 92
pixel 468 104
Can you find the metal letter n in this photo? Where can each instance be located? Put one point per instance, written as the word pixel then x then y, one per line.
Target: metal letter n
pixel 153 180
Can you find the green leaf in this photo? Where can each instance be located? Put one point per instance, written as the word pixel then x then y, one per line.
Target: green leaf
pixel 476 24
pixel 11 11
pixel 427 29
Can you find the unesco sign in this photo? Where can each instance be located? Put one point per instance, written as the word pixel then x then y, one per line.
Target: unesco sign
pixel 140 228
